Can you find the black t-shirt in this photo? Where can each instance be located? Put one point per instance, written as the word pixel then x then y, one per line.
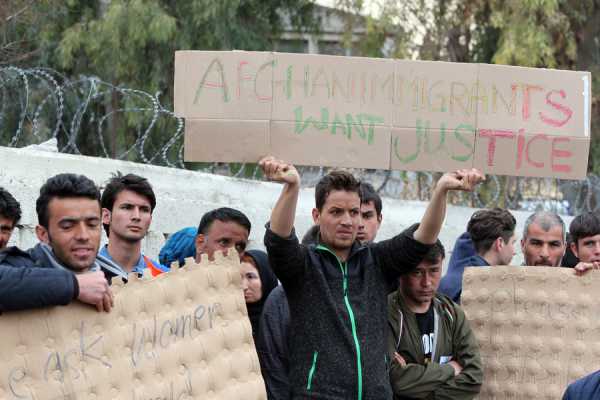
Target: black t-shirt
pixel 426 326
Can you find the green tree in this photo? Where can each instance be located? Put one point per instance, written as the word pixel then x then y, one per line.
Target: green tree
pixel 131 43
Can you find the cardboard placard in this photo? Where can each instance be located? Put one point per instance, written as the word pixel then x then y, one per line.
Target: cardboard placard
pixel 182 335
pixel 358 112
pixel 537 327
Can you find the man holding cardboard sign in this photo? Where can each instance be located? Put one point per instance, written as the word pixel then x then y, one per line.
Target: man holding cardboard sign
pixel 337 289
pixel 63 266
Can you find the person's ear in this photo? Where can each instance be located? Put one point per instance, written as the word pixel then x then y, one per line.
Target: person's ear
pixel 42 234
pixel 316 215
pixel 574 249
pixel 499 243
pixel 106 216
pixel 200 242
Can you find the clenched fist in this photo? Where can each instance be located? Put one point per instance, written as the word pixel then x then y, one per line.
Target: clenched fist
pixel 279 171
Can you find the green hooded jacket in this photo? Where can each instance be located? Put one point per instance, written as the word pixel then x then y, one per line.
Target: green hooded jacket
pixel 454 340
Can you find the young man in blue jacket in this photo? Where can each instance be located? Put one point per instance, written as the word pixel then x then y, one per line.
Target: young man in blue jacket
pixel 337 289
pixel 489 240
pixel 586 388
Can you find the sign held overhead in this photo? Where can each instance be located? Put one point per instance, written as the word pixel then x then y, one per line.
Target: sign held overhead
pixel 383 113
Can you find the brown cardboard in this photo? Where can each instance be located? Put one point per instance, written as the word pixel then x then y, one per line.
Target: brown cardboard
pixel 435 91
pixel 183 335
pixel 432 150
pixel 225 85
pixel 506 107
pixel 226 140
pixel 537 327
pixel 347 86
pixel 505 153
pixel 334 145
pixel 537 100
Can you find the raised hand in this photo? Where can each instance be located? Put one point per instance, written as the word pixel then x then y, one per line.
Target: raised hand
pixel 462 179
pixel 279 171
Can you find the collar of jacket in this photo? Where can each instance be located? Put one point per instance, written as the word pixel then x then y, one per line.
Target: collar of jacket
pixel 438 304
pixel 13 251
pixel 356 248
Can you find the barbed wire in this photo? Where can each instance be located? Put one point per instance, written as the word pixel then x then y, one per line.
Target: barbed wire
pixel 88 116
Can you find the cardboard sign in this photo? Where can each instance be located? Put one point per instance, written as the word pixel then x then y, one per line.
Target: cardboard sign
pixel 382 113
pixel 182 335
pixel 538 328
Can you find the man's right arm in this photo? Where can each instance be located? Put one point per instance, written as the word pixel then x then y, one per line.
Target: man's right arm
pixel 285 253
pixel 24 288
pixel 31 287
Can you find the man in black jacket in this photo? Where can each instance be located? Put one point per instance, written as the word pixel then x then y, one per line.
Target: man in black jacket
pixel 63 266
pixel 10 214
pixel 337 289
pixel 273 337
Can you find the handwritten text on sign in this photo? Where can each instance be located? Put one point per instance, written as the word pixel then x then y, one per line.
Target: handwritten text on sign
pixel 183 335
pixel 416 114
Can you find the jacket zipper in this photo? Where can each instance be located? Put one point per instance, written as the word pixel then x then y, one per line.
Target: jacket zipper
pixel 344 269
pixel 311 372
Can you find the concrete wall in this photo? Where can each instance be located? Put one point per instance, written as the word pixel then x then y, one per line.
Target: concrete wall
pixel 184 196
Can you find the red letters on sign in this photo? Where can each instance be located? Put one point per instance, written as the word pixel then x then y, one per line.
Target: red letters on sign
pixel 538 151
pixel 557 106
pixel 493 134
pixel 557 153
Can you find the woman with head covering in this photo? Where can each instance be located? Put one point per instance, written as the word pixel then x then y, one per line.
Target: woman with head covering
pixel 257 281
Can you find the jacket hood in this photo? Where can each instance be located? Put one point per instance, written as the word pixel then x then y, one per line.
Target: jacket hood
pixel 463 255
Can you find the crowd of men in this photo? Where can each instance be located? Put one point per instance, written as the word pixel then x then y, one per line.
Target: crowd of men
pixel 352 317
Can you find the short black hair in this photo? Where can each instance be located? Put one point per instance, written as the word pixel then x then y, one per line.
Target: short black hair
pixel 584 225
pixel 118 183
pixel 64 186
pixel 435 254
pixel 9 207
pixel 335 180
pixel 223 214
pixel 485 226
pixel 369 194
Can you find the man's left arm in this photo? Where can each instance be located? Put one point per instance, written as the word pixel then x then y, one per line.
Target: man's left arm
pixel 467 384
pixel 411 245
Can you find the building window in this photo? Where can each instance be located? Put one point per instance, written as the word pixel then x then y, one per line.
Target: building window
pixel 291 46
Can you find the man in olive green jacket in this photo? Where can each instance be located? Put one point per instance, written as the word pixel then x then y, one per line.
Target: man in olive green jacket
pixel 434 354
